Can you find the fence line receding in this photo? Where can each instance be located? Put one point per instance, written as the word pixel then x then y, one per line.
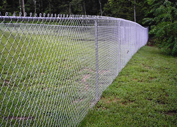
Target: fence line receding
pixel 53 69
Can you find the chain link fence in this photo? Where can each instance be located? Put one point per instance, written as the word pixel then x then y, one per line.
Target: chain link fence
pixel 53 69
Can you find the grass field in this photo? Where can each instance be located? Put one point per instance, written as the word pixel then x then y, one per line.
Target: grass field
pixel 41 76
pixel 143 94
pixel 47 73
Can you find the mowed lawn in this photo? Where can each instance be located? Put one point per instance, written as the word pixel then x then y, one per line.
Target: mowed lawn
pixel 41 74
pixel 143 94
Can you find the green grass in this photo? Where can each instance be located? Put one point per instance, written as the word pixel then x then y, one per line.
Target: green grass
pixel 47 74
pixel 143 94
pixel 47 78
pixel 41 76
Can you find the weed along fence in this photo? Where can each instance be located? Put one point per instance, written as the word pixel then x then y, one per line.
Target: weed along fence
pixel 53 69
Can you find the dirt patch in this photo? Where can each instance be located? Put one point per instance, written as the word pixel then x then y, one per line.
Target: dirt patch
pixel 45 89
pixel 147 67
pixel 109 100
pixel 140 81
pixel 106 100
pixel 77 101
pixel 86 69
pixel 85 77
pixel 149 99
pixel 125 103
pixel 104 72
pixel 135 79
pixel 86 74
pixel 86 87
pixel 152 78
pixel 171 113
pixel 7 81
pixel 104 108
pixel 116 100
pixel 101 72
pixel 86 39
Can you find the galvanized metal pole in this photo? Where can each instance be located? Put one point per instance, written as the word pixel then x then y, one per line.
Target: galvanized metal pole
pixel 96 51
pixel 119 42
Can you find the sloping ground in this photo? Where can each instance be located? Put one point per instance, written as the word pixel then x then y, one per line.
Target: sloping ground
pixel 143 94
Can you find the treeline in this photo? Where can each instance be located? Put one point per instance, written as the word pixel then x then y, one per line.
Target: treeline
pixel 159 15
pixel 84 7
pixel 116 8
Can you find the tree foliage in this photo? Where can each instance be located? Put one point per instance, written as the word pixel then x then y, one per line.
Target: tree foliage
pixel 119 8
pixel 125 9
pixel 115 8
pixel 164 24
pixel 83 7
pixel 162 14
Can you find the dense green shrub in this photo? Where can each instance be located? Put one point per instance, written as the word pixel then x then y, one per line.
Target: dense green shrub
pixel 164 24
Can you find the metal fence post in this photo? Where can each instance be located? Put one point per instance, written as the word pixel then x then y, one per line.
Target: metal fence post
pixel 96 51
pixel 119 44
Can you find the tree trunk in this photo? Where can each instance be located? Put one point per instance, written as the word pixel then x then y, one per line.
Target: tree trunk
pixel 134 10
pixel 70 8
pixel 23 5
pixel 100 8
pixel 34 6
pixel 84 7
pixel 20 5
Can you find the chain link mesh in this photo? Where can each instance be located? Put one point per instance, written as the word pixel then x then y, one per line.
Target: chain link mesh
pixel 53 69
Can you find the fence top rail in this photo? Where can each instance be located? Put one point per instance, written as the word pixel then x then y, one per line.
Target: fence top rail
pixel 59 17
